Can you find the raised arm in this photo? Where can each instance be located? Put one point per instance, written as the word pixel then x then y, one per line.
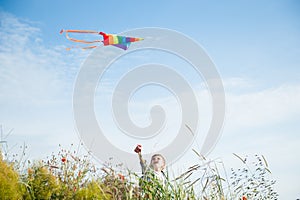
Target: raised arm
pixel 138 150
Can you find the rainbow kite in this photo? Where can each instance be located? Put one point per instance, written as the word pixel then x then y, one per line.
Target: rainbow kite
pixel 122 42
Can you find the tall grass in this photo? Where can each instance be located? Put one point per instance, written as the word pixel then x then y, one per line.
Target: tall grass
pixel 70 175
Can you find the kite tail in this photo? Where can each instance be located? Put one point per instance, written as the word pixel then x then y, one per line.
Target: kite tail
pixel 81 47
pixel 81 41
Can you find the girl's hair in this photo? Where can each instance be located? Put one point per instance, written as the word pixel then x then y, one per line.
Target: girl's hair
pixel 163 158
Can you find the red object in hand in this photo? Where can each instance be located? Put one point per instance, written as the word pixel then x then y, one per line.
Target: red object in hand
pixel 138 148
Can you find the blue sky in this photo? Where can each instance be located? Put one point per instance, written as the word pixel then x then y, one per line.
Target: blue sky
pixel 254 44
pixel 252 33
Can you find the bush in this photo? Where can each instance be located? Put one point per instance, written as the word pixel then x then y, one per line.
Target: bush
pixel 93 190
pixel 9 181
pixel 39 183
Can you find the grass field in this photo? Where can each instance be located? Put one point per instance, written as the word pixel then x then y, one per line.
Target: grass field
pixel 68 175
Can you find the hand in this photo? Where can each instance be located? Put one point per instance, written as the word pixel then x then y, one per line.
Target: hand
pixel 138 148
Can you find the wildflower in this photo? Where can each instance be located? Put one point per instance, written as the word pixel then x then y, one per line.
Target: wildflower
pixel 121 177
pixel 30 171
pixel 244 198
pixel 63 159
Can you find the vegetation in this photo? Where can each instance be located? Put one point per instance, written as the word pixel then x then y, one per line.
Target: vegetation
pixel 9 181
pixel 67 175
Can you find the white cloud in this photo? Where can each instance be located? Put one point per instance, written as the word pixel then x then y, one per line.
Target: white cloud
pixel 36 84
pixel 263 107
pixel 238 83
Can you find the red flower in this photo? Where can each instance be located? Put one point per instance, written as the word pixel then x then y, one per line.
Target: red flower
pixel 121 177
pixel 63 159
pixel 244 198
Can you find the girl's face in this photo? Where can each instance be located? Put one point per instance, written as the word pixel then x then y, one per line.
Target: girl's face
pixel 157 162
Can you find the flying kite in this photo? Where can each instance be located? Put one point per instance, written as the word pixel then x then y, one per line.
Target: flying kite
pixel 122 42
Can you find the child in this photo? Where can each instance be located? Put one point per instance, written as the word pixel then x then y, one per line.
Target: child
pixel 157 165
